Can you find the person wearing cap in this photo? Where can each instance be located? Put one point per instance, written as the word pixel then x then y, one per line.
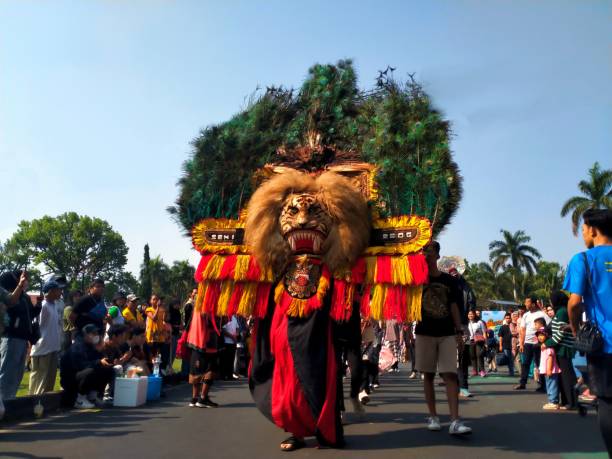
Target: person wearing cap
pixel 45 351
pixel 17 332
pixel 84 371
pixel 131 314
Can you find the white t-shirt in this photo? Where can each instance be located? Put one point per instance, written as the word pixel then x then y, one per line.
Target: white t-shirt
pixel 530 329
pixel 477 328
pixel 50 331
pixel 232 328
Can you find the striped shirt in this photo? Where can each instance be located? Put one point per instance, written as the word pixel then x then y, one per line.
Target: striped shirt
pixel 562 338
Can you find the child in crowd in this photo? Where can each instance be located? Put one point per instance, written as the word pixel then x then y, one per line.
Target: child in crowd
pixel 140 352
pixel 550 368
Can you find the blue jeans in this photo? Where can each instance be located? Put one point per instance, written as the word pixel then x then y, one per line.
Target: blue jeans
pixel 12 365
pixel 510 357
pixel 552 388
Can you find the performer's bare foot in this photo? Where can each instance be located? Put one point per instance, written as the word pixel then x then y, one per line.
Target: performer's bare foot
pixel 292 443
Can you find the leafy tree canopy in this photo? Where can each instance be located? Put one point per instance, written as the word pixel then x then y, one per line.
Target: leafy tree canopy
pixel 596 194
pixel 79 247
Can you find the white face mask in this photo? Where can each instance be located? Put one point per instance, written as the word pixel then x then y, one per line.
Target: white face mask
pixel 95 339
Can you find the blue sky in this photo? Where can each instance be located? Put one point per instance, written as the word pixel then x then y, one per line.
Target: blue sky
pixel 99 100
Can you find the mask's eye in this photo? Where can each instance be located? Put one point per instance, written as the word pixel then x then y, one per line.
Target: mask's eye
pixel 314 209
pixel 292 210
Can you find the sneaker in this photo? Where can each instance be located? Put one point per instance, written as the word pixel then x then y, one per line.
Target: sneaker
pixel 464 393
pixel 82 403
pixel 236 377
pixel 375 385
pixel 193 402
pixel 482 374
pixel 551 406
pixel 519 387
pixel 433 424
pixel 363 397
pixel 357 406
pixel 412 375
pixel 457 427
pixel 209 403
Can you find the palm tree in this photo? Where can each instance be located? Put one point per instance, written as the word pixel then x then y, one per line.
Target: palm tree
pixel 514 253
pixel 597 194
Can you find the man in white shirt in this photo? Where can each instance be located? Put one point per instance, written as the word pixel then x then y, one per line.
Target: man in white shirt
pixel 230 338
pixel 528 342
pixel 45 352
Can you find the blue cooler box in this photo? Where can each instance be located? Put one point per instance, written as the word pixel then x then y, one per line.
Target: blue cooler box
pixel 154 388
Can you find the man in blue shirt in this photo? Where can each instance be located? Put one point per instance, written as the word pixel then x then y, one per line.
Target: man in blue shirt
pixel 589 281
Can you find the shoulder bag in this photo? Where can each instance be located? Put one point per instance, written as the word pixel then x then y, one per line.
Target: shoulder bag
pixel 588 338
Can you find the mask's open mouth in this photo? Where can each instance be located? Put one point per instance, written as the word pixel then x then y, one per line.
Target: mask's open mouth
pixel 305 241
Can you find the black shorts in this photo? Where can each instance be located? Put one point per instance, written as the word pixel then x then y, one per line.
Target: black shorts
pixel 600 375
pixel 202 366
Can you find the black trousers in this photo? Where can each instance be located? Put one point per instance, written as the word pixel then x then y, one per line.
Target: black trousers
pixel 352 356
pixel 227 360
pixel 604 415
pixel 462 367
pixel 531 353
pixel 411 356
pixel 477 354
pixel 94 379
pixel 568 381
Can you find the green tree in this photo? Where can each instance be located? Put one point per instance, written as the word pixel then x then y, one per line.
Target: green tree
pixel 122 282
pixel 80 247
pixel 146 287
pixel 160 276
pixel 181 279
pixel 548 278
pixel 514 253
pixel 596 194
pixel 487 283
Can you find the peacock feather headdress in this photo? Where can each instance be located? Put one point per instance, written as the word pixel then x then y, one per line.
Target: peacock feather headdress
pixel 390 143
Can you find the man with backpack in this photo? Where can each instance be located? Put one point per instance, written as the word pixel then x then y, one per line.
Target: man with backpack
pixel 589 281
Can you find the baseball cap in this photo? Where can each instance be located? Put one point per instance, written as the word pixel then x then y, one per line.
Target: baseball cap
pixel 541 331
pixel 132 297
pixel 119 295
pixel 114 312
pixel 51 284
pixel 90 329
pixel 60 279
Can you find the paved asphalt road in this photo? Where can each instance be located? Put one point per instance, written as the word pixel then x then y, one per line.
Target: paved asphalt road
pixel 507 424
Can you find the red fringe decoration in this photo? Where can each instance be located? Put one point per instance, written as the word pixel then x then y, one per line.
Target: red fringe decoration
pixel 404 303
pixel 392 303
pixel 339 310
pixel 227 270
pixel 201 267
pixel 254 272
pixel 418 268
pixel 358 271
pixel 383 270
pixel 213 291
pixel 365 301
pixel 261 300
pixel 234 301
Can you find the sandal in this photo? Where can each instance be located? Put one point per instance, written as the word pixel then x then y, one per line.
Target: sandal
pixel 292 443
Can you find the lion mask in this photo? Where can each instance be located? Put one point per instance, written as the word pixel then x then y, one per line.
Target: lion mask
pixel 294 213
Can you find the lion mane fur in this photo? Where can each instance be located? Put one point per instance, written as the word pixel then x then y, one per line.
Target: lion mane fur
pixel 348 237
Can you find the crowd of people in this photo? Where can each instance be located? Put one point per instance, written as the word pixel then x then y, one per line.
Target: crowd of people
pixel 92 342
